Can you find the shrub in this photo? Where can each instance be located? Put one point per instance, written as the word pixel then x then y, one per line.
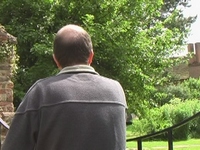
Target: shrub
pixel 194 87
pixel 170 114
pixel 180 113
pixel 165 94
pixel 189 89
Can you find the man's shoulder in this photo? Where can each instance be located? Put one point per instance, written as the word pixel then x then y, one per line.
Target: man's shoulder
pixel 41 81
pixel 109 80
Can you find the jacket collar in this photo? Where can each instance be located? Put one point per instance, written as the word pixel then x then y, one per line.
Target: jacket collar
pixel 78 68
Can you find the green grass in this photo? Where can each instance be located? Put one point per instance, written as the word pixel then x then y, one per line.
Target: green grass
pixel 192 144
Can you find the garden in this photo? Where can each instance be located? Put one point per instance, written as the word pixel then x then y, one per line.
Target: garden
pixel 133 42
pixel 177 103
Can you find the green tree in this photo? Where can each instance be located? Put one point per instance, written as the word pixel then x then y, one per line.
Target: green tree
pixel 132 39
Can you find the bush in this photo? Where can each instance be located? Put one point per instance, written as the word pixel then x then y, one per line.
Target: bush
pixel 171 105
pixel 180 113
pixel 170 114
pixel 189 89
pixel 165 94
pixel 194 87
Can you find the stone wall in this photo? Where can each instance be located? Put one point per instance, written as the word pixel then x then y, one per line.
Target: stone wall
pixel 7 63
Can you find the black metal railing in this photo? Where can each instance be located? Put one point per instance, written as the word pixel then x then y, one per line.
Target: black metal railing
pixel 169 132
pixel 4 125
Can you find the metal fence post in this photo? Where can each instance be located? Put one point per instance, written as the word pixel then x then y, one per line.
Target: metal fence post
pixel 170 140
pixel 139 144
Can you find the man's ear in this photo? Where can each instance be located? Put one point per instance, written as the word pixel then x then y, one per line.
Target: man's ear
pixel 90 57
pixel 57 63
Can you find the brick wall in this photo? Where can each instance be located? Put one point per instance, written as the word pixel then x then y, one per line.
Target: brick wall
pixel 192 68
pixel 8 42
pixel 194 62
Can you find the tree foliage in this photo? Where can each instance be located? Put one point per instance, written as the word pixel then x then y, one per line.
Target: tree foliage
pixel 188 89
pixel 132 39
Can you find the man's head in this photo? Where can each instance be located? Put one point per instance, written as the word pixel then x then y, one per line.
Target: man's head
pixel 72 46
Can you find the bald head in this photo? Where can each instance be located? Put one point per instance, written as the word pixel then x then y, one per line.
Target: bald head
pixel 72 46
pixel 71 28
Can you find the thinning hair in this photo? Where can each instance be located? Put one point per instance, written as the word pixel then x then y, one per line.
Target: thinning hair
pixel 72 45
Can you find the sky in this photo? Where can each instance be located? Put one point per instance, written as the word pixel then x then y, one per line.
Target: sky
pixel 194 35
pixel 195 28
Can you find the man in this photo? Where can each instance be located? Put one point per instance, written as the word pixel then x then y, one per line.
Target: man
pixel 75 110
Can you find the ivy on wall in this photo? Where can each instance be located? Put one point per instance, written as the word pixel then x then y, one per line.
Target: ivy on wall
pixel 6 51
pixel 8 48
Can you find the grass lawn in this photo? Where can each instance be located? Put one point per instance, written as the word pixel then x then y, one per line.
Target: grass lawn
pixel 192 144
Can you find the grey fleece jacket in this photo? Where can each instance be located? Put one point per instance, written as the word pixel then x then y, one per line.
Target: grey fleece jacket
pixel 74 110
